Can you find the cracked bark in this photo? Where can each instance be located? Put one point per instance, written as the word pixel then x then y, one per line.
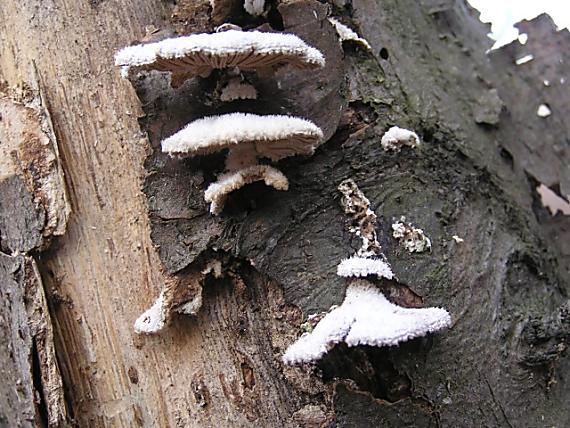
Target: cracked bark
pixel 503 363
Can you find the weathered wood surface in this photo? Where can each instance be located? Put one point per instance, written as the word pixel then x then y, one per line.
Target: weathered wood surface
pixel 33 209
pixel 503 362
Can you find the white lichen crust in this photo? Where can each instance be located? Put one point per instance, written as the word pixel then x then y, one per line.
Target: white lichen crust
pixel 217 192
pixel 395 138
pixel 413 239
pixel 198 54
pixel 345 34
pixel 366 317
pixel 362 267
pixel 274 136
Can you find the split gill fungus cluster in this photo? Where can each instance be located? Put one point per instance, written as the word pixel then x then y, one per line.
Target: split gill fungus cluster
pixel 247 137
pixel 251 141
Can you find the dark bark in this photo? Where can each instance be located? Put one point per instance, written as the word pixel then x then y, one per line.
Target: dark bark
pixel 33 208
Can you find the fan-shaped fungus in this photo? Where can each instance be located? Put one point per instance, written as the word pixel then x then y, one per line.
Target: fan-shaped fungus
pixel 199 54
pixel 248 138
pixel 366 317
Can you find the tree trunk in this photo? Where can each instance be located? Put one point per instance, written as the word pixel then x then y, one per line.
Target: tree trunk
pixel 72 289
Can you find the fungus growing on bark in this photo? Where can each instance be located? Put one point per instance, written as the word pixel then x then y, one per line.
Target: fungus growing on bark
pixel 366 317
pixel 158 315
pixel 457 239
pixel 236 89
pixel 413 239
pixel 395 138
pixel 361 267
pixel 248 138
pixel 182 295
pixel 199 54
pixel 254 7
pixel 217 193
pixel 543 111
pixel 357 206
pixel 345 34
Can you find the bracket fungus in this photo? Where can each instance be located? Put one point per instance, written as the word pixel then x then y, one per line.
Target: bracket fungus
pixel 346 34
pixel 199 54
pixel 366 316
pixel 158 315
pixel 395 138
pixel 248 138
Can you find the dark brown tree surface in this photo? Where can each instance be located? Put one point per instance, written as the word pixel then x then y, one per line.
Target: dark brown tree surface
pixel 72 289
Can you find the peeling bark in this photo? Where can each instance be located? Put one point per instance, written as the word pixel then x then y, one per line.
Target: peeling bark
pixel 29 152
pixel 33 209
pixel 32 387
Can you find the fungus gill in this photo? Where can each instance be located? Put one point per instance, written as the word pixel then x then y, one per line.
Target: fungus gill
pixel 199 54
pixel 248 138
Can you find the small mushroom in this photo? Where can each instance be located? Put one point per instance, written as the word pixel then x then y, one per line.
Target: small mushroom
pixel 248 138
pixel 362 266
pixel 254 7
pixel 395 138
pixel 199 54
pixel 218 192
pixel 366 317
pixel 154 319
pixel 345 34
pixel 236 89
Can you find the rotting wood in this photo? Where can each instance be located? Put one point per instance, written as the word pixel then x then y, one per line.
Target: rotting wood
pixel 33 209
pixel 32 386
pixel 104 271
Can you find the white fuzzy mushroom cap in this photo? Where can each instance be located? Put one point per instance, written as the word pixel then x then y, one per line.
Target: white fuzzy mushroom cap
pixel 218 192
pixel 153 319
pixel 366 317
pixel 345 34
pixel 395 138
pixel 254 7
pixel 200 53
pixel 274 136
pixel 361 266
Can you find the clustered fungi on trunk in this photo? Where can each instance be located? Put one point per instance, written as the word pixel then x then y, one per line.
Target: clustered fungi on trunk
pixel 248 137
pixel 366 317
